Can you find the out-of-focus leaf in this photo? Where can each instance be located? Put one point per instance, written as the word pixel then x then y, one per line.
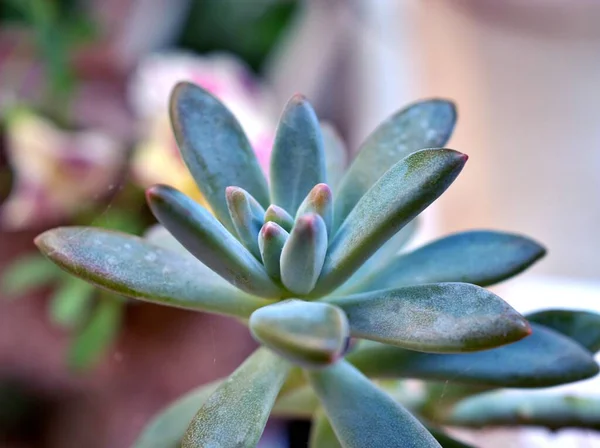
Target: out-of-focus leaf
pixel 271 240
pixel 336 155
pixel 247 216
pixel 321 433
pixel 426 124
pixel 436 318
pixel 544 359
pixel 396 199
pixel 480 257
pixel 297 404
pixel 508 408
pixel 362 415
pixel 70 303
pixel 28 273
pixel 303 254
pixel 237 412
pixel 298 158
pixel 167 428
pixel 581 326
pixel 215 148
pixel 319 201
pixel 200 233
pixel 99 333
pixel 279 216
pixel 132 267
pixel 445 440
pixel 307 333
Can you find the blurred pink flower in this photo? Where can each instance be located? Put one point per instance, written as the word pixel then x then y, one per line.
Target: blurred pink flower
pixel 156 159
pixel 57 173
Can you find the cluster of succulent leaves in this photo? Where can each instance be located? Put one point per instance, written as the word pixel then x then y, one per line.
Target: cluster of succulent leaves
pixel 312 263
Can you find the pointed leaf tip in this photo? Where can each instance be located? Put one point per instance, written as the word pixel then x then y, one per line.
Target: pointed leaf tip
pixel 308 333
pixel 303 254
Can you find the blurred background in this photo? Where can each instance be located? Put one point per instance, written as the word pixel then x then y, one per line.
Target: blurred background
pixel 84 129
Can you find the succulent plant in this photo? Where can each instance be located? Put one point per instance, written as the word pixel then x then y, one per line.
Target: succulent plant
pixel 317 273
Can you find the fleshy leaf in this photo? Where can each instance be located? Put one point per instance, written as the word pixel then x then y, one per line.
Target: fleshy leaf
pixel 303 254
pixel 215 148
pixel 99 333
pixel 396 199
pixel 167 428
pixel 544 359
pixel 582 326
pixel 298 158
pixel 436 318
pixel 130 266
pixel 237 412
pixel 426 124
pixel 70 302
pixel 320 201
pixel 297 404
pixel 336 155
pixel 247 216
pixel 161 237
pixel 206 238
pixel 271 240
pixel 279 216
pixel 321 433
pixel 308 333
pixel 479 257
pixel 508 408
pixel 362 415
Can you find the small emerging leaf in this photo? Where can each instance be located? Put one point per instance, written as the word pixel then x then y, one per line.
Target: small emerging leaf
pixel 362 415
pixel 581 326
pixel 209 241
pixel 479 257
pixel 215 148
pixel 297 404
pixel 167 428
pixel 298 158
pixel 319 201
pixel 303 254
pixel 425 124
pixel 247 216
pixel 336 155
pixel 237 412
pixel 271 240
pixel 508 408
pixel 396 199
pixel 321 433
pixel 132 267
pixel 544 359
pixel 279 216
pixel 308 333
pixel 437 318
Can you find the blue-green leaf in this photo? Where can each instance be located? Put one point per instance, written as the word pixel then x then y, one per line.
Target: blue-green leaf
pixel 436 318
pixel 581 326
pixel 396 199
pixel 279 216
pixel 271 240
pixel 311 334
pixel 247 216
pixel 303 254
pixel 479 257
pixel 298 158
pixel 237 412
pixel 167 428
pixel 322 434
pixel 336 155
pixel 426 124
pixel 362 415
pixel 544 359
pixel 511 408
pixel 320 201
pixel 298 404
pixel 209 241
pixel 445 440
pixel 130 266
pixel 215 148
